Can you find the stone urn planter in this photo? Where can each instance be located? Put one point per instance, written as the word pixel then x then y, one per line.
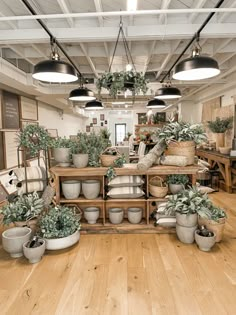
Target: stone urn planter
pixel 176 188
pixel 71 189
pixel 91 188
pixel 13 240
pixel 91 214
pixel 62 156
pixel 63 242
pixel 135 215
pixel 80 160
pixel 116 215
pixel 34 254
pixel 186 224
pixel 205 243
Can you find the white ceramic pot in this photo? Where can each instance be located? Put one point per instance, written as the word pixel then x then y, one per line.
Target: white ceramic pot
pixel 116 215
pixel 34 254
pixel 91 214
pixel 63 242
pixel 185 234
pixel 187 220
pixel 175 188
pixel 62 156
pixel 91 188
pixel 135 215
pixel 205 243
pixel 13 240
pixel 80 160
pixel 71 188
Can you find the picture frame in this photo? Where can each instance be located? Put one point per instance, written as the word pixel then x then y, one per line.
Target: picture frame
pixel 94 121
pixel 4 181
pixel 101 124
pixel 25 123
pixel 3 193
pixel 87 128
pixel 160 117
pixel 29 108
pixel 10 111
pixel 105 122
pixel 11 149
pixel 142 118
pixel 53 133
pixel 102 117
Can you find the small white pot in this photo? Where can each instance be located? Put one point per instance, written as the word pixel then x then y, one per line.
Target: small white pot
pixel 34 254
pixel 63 242
pixel 176 188
pixel 71 189
pixel 91 214
pixel 135 215
pixel 91 188
pixel 80 160
pixel 116 215
pixel 205 243
pixel 13 240
pixel 62 156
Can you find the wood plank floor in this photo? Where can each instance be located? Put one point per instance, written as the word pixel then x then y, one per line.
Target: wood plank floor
pixel 137 274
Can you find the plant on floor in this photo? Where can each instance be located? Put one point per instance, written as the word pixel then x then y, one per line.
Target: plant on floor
pixel 58 222
pixel 216 213
pixel 177 179
pixel 22 208
pixel 220 125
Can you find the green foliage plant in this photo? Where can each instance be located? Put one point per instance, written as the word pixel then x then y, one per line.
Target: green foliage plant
pixel 105 133
pixel 97 144
pixel 217 213
pixel 62 142
pixel 22 208
pixel 119 162
pixel 177 179
pixel 34 138
pixel 220 125
pixel 81 146
pixel 58 222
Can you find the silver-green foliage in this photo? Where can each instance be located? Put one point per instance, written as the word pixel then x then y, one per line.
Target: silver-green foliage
pixel 59 221
pixel 220 125
pixel 182 131
pixel 217 213
pixel 177 179
pixel 62 143
pixel 97 144
pixel 23 208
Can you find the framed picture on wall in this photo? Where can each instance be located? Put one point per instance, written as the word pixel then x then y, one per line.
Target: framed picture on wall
pixel 102 117
pixel 53 133
pixel 11 146
pixel 87 128
pixel 29 108
pixel 102 124
pixel 159 117
pixel 10 111
pixel 91 124
pixel 105 122
pixel 94 121
pixel 142 118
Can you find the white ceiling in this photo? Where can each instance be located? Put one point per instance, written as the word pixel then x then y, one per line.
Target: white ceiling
pixel 88 30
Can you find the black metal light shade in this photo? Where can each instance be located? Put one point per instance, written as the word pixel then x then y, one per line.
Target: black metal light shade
pixel 82 95
pixel 167 92
pixel 55 71
pixel 156 103
pixel 196 68
pixel 94 105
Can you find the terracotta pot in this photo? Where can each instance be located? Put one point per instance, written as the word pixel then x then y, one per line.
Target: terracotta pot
pixel 214 226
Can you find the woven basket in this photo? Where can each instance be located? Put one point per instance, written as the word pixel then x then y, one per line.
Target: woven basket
pixel 184 148
pixel 157 187
pixel 108 160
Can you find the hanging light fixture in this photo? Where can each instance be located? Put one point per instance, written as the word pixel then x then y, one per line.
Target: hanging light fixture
pixel 94 105
pixel 168 92
pixel 81 94
pixel 196 67
pixel 54 70
pixel 156 103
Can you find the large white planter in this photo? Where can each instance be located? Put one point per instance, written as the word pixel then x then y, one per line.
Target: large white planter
pixel 13 240
pixel 61 243
pixel 187 220
pixel 80 160
pixel 34 254
pixel 116 215
pixel 62 156
pixel 185 234
pixel 91 188
pixel 71 188
pixel 135 215
pixel 91 214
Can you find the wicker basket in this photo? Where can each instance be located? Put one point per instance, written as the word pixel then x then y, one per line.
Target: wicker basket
pixel 157 187
pixel 184 148
pixel 108 160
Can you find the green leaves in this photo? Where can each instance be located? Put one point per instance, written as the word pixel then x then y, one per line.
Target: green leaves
pixel 177 179
pixel 220 125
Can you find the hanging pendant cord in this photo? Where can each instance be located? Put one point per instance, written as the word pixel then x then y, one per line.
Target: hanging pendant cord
pixel 115 49
pixel 127 50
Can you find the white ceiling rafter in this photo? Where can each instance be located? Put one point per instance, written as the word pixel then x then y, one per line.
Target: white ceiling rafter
pixel 224 16
pixel 64 9
pixel 92 66
pixel 164 6
pixel 147 61
pixel 20 52
pixel 199 4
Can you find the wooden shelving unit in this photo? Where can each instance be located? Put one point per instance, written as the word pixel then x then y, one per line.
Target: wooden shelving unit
pixel 148 202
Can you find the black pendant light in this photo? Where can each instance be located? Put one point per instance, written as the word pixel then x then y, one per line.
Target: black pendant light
pixel 167 92
pixel 94 105
pixel 82 94
pixel 156 103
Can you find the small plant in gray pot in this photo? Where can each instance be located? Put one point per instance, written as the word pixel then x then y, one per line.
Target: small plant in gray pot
pixel 177 182
pixel 34 249
pixel 61 151
pixel 80 150
pixel 205 238
pixel 187 205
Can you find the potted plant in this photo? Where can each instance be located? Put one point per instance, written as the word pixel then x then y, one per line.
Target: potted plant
pixel 34 249
pixel 61 150
pixel 23 210
pixel 181 138
pixel 116 82
pixel 177 182
pixel 187 205
pixel 97 144
pixel 218 127
pixel 34 138
pixel 80 150
pixel 205 238
pixel 60 226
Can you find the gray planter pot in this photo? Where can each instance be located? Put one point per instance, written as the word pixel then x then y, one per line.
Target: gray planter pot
pixel 71 188
pixel 80 160
pixel 135 215
pixel 187 220
pixel 205 243
pixel 91 214
pixel 116 215
pixel 91 188
pixel 34 254
pixel 175 188
pixel 185 234
pixel 62 156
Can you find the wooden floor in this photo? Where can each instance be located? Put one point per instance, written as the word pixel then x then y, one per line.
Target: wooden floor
pixel 126 274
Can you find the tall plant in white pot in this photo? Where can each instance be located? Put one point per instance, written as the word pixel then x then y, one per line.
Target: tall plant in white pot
pixel 80 150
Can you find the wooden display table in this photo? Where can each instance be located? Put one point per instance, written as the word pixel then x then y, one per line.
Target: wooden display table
pixel 225 164
pixel 147 203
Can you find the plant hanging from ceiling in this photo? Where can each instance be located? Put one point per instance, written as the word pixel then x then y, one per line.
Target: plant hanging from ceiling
pixel 122 81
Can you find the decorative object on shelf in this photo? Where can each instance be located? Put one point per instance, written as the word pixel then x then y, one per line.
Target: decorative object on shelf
pixel 121 81
pixel 157 187
pixel 13 240
pixel 91 188
pixel 219 127
pixel 80 150
pixel 109 156
pixel 125 193
pixel 62 150
pixel 91 214
pixel 116 215
pixel 33 250
pixel 225 150
pixel 177 182
pixel 135 215
pixel 142 118
pixel 60 226
pixel 71 188
pixel 205 239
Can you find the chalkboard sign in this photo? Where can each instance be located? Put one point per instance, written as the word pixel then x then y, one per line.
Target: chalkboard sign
pixel 10 111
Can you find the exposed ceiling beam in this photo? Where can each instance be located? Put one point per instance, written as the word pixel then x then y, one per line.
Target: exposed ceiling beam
pixel 40 51
pixel 164 6
pixel 65 9
pixel 89 60
pixel 147 61
pixel 20 52
pixel 200 4
pixel 223 16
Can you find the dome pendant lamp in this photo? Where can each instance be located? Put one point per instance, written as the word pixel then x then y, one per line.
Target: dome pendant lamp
pixel 54 70
pixel 94 105
pixel 196 67
pixel 167 92
pixel 156 104
pixel 81 94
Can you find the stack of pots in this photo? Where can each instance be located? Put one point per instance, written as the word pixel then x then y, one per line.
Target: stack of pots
pixel 186 225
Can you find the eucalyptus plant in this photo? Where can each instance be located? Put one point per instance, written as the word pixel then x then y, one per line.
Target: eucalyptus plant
pixel 177 179
pixel 82 145
pixel 97 144
pixel 119 162
pixel 62 143
pixel 220 125
pixel 59 221
pixel 22 208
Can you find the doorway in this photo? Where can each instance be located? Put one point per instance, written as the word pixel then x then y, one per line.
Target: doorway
pixel 120 132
